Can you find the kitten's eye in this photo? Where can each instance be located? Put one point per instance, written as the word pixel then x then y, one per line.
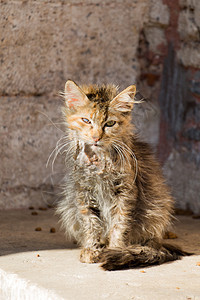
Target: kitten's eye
pixel 86 121
pixel 110 123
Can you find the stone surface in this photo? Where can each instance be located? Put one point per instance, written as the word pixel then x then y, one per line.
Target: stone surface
pixel 44 45
pixel 183 176
pixel 28 136
pixel 190 55
pixel 189 28
pixel 179 134
pixel 159 12
pixel 41 265
pixel 155 37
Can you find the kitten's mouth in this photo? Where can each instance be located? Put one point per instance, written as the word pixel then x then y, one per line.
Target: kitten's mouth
pixel 96 147
pixel 96 144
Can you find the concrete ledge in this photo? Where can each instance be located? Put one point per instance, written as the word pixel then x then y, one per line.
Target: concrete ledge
pixel 49 267
pixel 14 287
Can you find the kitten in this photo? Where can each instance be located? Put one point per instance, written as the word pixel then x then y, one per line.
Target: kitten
pixel 115 204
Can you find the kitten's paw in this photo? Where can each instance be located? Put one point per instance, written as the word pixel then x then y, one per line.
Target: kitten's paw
pixel 90 256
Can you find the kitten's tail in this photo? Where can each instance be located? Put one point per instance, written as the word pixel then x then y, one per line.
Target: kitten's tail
pixel 139 256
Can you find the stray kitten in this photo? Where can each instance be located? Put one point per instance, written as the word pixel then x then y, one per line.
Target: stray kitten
pixel 115 204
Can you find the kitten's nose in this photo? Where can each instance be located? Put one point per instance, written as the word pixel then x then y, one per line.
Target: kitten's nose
pixel 96 139
pixel 96 134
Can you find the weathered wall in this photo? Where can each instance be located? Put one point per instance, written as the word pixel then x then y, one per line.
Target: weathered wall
pixel 42 44
pixel 180 104
pixel 45 42
pixel 155 43
pixel 169 57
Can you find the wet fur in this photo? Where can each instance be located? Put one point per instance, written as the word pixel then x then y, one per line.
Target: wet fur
pixel 115 203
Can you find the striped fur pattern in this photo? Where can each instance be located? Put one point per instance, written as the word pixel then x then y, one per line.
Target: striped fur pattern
pixel 115 203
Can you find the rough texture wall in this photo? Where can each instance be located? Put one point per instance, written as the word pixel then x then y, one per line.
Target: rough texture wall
pixel 180 104
pixel 42 44
pixel 45 42
pixel 155 43
pixel 169 57
pixel 171 70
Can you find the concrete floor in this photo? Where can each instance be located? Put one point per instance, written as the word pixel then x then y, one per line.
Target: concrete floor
pixel 43 265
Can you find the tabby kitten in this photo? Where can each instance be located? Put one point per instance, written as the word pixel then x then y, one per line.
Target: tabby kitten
pixel 116 204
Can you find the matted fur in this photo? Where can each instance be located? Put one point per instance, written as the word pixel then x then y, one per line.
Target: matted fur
pixel 115 203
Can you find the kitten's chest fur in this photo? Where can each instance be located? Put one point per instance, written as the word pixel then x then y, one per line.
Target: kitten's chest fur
pixel 95 171
pixel 98 180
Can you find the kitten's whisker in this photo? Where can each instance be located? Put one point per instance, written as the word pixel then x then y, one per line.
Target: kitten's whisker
pixel 116 149
pixel 121 156
pixel 50 120
pixel 67 151
pixel 129 150
pixel 56 154
pixel 60 123
pixel 57 149
pixel 69 155
pixel 125 156
pixel 51 154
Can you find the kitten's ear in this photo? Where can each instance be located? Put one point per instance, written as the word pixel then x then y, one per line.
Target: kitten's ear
pixel 124 101
pixel 74 96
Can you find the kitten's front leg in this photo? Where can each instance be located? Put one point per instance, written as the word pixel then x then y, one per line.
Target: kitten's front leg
pixel 116 239
pixel 121 220
pixel 90 255
pixel 92 229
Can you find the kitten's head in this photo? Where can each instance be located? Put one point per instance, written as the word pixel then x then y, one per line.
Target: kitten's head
pixel 98 115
